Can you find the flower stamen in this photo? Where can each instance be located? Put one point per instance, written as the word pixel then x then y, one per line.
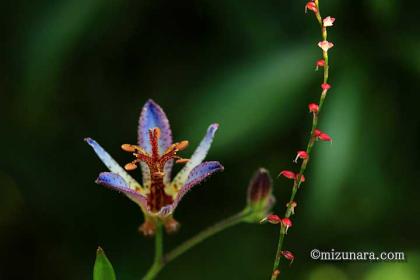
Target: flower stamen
pixel 157 198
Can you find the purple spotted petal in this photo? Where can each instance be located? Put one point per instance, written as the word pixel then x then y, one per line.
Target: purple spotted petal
pixel 112 165
pixel 196 176
pixel 117 183
pixel 198 155
pixel 153 116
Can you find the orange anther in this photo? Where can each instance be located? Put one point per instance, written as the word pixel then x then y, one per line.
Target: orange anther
pixel 182 145
pixel 182 160
pixel 156 131
pixel 128 148
pixel 130 166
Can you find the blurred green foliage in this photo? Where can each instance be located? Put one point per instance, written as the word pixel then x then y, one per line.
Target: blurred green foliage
pixel 71 69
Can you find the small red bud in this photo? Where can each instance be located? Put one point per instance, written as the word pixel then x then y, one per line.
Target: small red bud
pixel 313 108
pixel 288 174
pixel 311 6
pixel 319 63
pixel 272 219
pixel 302 155
pixel 322 135
pixel 288 256
pixel 317 132
pixel 287 223
pixel 325 137
pixel 325 86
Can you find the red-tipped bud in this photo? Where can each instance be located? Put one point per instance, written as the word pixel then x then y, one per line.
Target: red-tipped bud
pixel 311 6
pixel 288 256
pixel 287 223
pixel 325 137
pixel 319 63
pixel 313 108
pixel 272 219
pixel 325 86
pixel 288 174
pixel 302 155
pixel 322 135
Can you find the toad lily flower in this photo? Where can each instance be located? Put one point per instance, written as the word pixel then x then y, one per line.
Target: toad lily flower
pixel 155 153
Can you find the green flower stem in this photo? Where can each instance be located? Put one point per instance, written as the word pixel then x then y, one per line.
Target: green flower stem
pixel 203 235
pixel 157 263
pixel 309 147
pixel 161 261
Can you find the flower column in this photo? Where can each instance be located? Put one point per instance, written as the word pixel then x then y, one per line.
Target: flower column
pixel 315 134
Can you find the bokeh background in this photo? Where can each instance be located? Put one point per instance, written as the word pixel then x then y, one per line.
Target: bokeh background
pixel 77 68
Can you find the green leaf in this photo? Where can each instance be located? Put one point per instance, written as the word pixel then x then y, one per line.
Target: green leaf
pixel 103 268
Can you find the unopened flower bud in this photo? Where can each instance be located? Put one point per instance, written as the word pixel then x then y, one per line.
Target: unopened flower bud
pixel 272 219
pixel 322 135
pixel 260 198
pixel 313 108
pixel 325 137
pixel 288 256
pixel 288 174
pixel 325 45
pixel 311 6
pixel 302 155
pixel 319 63
pixel 325 86
pixel 328 21
pixel 260 186
pixel 287 223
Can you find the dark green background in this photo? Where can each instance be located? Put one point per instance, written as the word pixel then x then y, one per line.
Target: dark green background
pixel 77 68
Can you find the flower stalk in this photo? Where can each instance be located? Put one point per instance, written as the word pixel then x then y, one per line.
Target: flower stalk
pixel 259 202
pixel 315 134
pixel 162 260
pixel 157 263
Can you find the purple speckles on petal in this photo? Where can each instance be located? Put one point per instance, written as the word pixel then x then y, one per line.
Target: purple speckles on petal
pixel 112 164
pixel 117 183
pixel 153 116
pixel 198 155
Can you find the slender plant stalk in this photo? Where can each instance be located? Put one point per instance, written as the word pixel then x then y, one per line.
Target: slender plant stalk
pixel 311 142
pixel 162 260
pixel 157 263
